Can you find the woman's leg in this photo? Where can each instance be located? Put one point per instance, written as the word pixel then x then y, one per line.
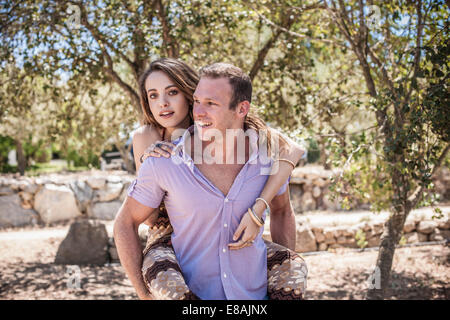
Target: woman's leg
pixel 160 269
pixel 286 273
pixel 286 269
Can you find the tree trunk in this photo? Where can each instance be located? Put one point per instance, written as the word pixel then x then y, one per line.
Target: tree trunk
pixel 21 161
pixel 389 239
pixel 124 152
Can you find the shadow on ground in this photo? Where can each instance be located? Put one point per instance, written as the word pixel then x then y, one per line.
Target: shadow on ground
pixel 51 281
pixel 353 284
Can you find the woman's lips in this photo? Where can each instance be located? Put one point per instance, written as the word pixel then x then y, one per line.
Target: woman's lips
pixel 166 115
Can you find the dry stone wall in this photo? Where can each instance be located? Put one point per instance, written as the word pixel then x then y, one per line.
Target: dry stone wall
pixel 55 198
pixel 99 195
pixel 309 189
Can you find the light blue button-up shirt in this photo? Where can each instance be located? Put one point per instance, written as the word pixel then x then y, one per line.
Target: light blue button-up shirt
pixel 204 221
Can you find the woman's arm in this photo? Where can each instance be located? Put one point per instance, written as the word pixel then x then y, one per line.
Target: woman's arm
pixel 143 138
pixel 280 172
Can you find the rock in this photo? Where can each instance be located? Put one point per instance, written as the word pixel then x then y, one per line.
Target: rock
pixel 114 179
pixel 338 232
pixel 364 226
pixel 12 214
pixel 444 224
pixel 124 193
pixel 26 196
pixel 341 240
pixel 323 246
pixel 426 227
pixel 422 237
pixel 306 241
pixel 439 235
pixel 320 182
pixel 308 202
pixel 329 236
pixel 318 235
pixel 331 204
pixel 308 186
pixel 113 255
pixel 348 232
pixel 373 242
pixel 56 203
pixel 96 182
pixel 105 210
pixel 83 194
pixel 85 243
pixel 31 188
pixel 316 192
pixel 411 237
pixel 110 192
pixel 409 226
pixel 377 228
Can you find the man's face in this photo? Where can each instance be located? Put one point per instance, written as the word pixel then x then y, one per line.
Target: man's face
pixel 212 108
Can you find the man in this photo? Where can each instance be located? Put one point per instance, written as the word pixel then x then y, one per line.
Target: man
pixel 205 200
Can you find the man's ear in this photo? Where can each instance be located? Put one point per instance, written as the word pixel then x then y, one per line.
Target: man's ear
pixel 243 108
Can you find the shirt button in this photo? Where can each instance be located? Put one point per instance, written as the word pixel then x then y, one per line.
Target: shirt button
pixel 225 225
pixel 226 200
pixel 224 275
pixel 224 250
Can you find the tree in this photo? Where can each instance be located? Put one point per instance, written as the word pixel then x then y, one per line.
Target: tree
pixel 399 51
pixel 26 112
pixel 393 66
pixel 112 42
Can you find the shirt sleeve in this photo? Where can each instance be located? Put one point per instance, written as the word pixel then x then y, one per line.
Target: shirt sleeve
pixel 145 188
pixel 284 187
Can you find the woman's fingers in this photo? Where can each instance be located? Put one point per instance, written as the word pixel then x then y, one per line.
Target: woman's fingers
pixel 160 148
pixel 238 232
pixel 240 244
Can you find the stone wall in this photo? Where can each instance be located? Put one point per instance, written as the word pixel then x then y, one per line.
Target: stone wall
pixel 99 195
pixel 309 189
pixel 328 233
pixel 54 198
pixel 317 236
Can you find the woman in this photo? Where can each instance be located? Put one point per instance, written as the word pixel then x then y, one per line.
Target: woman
pixel 171 83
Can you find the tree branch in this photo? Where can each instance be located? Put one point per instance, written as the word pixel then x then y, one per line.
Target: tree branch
pixel 168 41
pixel 417 194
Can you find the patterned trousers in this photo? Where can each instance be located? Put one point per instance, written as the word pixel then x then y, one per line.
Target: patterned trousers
pixel 286 269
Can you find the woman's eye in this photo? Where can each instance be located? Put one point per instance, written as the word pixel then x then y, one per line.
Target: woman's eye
pixel 152 96
pixel 211 103
pixel 173 92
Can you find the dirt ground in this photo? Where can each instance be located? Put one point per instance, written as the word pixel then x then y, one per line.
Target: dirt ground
pixel 27 271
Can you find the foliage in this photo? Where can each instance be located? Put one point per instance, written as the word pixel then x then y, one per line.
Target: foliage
pixel 360 238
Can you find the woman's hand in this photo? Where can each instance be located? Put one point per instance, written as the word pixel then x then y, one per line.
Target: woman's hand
pixel 158 149
pixel 251 231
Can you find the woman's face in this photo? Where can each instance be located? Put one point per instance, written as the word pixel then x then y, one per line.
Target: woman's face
pixel 167 103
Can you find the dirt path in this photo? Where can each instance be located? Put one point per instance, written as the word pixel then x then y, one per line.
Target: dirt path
pixel 27 272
